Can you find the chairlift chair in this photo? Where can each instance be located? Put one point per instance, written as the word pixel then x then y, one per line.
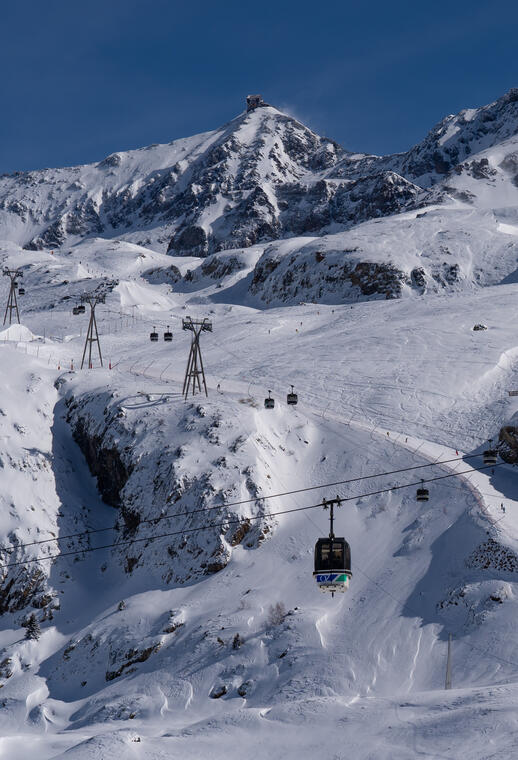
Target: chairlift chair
pixel 168 335
pixel 292 398
pixel 423 494
pixel 153 336
pixel 269 403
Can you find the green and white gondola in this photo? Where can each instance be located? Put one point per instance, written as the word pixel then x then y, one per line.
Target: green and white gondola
pixel 332 564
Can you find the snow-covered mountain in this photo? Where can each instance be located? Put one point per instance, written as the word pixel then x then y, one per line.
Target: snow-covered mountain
pixel 454 139
pixel 260 177
pixel 165 547
pixel 213 190
pixel 264 177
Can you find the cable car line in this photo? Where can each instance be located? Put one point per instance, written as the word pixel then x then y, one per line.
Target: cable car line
pixel 488 458
pixel 239 520
pixel 253 500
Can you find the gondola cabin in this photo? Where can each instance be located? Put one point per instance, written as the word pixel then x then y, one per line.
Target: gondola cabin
pixel 21 291
pixel 423 494
pixel 332 564
pixel 269 403
pixel 153 336
pixel 490 456
pixel 75 310
pixel 81 308
pixel 292 398
pixel 168 335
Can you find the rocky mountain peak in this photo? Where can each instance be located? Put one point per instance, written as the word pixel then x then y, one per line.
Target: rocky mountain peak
pixel 263 176
pixel 458 136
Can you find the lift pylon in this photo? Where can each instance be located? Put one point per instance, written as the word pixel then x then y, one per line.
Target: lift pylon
pixel 195 368
pixel 92 334
pixel 12 303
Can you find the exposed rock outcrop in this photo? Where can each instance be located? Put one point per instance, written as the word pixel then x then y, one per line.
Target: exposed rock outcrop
pixel 145 480
pixel 508 444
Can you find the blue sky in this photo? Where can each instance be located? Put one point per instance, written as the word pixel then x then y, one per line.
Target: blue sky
pixel 81 80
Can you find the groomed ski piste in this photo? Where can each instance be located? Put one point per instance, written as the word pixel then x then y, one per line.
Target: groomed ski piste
pixel 147 652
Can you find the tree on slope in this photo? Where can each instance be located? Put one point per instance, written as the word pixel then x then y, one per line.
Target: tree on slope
pixel 33 630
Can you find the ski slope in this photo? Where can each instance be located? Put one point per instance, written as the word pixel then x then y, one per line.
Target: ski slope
pixel 382 386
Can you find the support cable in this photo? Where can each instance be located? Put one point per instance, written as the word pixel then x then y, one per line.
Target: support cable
pixel 227 505
pixel 129 542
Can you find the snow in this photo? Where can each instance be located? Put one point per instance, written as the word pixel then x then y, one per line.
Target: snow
pixel 508 229
pixel 449 132
pixel 140 659
pixel 372 663
pixel 16 333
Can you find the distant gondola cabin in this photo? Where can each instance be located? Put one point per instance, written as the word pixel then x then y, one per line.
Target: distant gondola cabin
pixel 292 398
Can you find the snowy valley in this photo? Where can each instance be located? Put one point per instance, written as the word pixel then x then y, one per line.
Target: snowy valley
pixel 165 546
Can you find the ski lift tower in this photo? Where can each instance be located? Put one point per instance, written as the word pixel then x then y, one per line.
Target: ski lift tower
pixel 12 303
pixel 195 363
pixel 92 335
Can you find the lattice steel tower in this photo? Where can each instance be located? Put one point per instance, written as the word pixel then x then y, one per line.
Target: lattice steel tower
pixel 195 363
pixel 92 335
pixel 12 303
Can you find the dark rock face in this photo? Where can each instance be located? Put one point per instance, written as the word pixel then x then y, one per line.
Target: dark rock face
pixel 262 271
pixel 418 278
pixel 191 241
pixel 446 274
pixel 480 169
pixel 508 444
pixel 253 220
pixel 340 276
pixel 315 208
pixel 510 165
pixel 81 220
pixel 491 555
pixel 461 195
pixel 162 275
pixel 110 162
pixel 373 278
pixel 104 462
pixel 29 586
pixel 251 194
pixel 216 267
pixel 144 479
pixel 132 657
